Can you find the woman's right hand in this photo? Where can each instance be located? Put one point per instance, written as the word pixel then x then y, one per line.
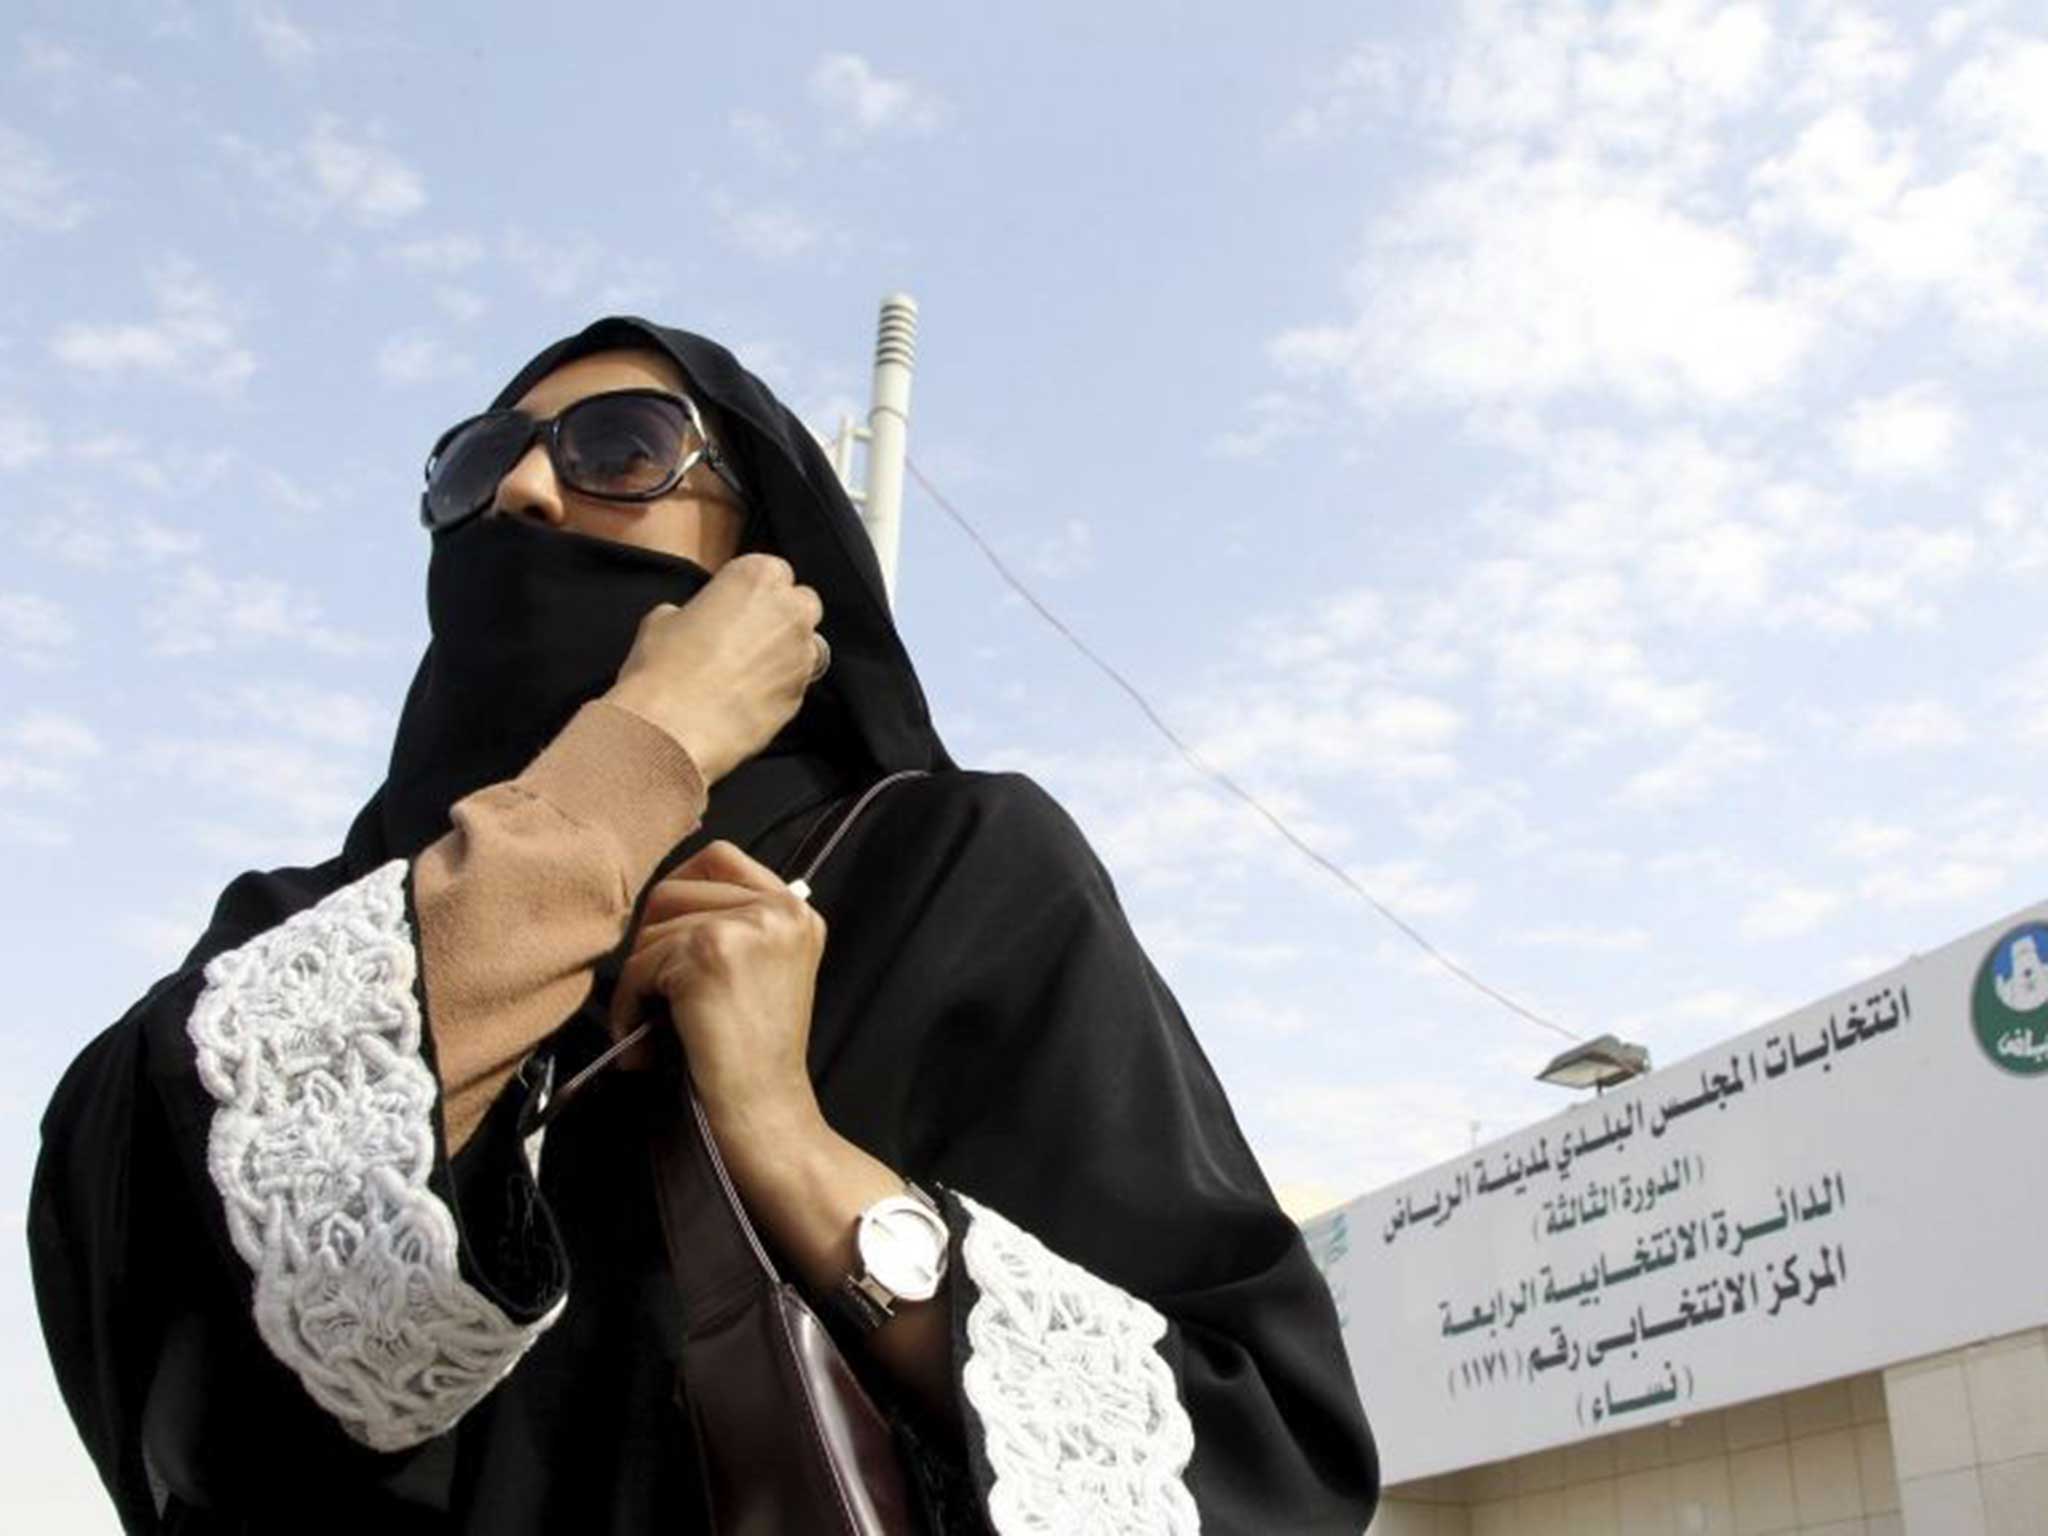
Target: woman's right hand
pixel 725 671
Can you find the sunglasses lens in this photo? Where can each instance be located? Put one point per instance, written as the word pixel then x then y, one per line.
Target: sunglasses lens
pixel 465 473
pixel 624 445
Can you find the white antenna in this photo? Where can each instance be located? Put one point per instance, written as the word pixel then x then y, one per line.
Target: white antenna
pixel 880 501
pixel 888 430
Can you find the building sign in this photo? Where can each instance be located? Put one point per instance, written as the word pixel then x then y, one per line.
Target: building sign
pixel 1808 1200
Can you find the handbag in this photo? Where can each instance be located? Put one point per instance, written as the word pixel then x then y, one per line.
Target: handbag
pixel 790 1442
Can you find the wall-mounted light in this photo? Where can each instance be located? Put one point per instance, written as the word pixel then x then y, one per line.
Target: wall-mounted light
pixel 1597 1063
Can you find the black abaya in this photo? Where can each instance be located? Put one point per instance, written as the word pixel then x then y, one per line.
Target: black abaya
pixel 1140 1339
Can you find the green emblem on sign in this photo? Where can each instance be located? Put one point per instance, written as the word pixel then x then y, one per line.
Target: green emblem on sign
pixel 2009 1004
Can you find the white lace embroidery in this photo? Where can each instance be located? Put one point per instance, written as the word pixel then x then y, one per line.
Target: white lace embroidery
pixel 1083 1420
pixel 308 1035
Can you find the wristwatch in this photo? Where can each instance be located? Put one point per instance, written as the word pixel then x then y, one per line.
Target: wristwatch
pixel 902 1244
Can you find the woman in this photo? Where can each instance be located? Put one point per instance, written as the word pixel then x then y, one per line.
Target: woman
pixel 299 1267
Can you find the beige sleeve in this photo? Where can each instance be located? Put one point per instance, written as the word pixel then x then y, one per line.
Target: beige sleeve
pixel 533 884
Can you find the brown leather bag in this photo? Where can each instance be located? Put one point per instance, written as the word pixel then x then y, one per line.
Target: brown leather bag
pixel 790 1443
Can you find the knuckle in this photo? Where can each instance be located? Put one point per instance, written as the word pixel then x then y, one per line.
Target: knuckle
pixel 711 942
pixel 805 920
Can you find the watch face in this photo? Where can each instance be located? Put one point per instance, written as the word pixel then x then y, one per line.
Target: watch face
pixel 904 1247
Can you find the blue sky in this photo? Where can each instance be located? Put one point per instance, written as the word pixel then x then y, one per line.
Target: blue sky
pixel 1579 464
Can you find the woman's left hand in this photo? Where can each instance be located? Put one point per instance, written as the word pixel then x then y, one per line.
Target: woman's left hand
pixel 735 953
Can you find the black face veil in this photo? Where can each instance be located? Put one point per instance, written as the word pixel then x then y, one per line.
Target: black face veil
pixel 527 624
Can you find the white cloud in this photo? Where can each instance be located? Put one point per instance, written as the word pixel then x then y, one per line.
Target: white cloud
pixel 1068 552
pixel 2017 515
pixel 33 192
pixel 198 611
pixel 1162 825
pixel 439 255
pixel 779 234
pixel 1910 432
pixel 84 534
pixel 576 266
pixel 1337 1132
pixel 283 41
pixel 1259 1014
pixel 1934 883
pixel 1333 627
pixel 1168 940
pixel 39 756
pixel 1790 911
pixel 162 938
pixel 765 137
pixel 34 629
pixel 361 176
pixel 556 267
pixel 1269 417
pixel 1558 243
pixel 1865 839
pixel 334 171
pixel 23 437
pixel 1367 82
pixel 1640 79
pixel 20 776
pixel 1912 211
pixel 1839 173
pixel 1632 247
pixel 341 719
pixel 308 787
pixel 1709 757
pixel 864 102
pixel 49 733
pixel 1520 278
pixel 415 358
pixel 1494 812
pixel 1894 576
pixel 1913 725
pixel 1850 54
pixel 41 58
pixel 1693 1018
pixel 1676 206
pixel 67 76
pixel 460 304
pixel 191 340
pixel 1414 889
pixel 1306 728
pixel 1592 939
pixel 2003 92
pixel 1952 23
pixel 32 829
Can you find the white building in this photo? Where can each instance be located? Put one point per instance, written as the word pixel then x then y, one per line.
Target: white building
pixel 1795 1283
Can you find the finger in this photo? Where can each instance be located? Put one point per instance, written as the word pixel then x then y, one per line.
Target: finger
pixel 722 859
pixel 639 981
pixel 649 935
pixel 673 897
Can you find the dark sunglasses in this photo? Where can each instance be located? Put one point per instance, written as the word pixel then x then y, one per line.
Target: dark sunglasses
pixel 623 445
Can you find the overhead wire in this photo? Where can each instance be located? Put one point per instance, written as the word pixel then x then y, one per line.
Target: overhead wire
pixel 1405 928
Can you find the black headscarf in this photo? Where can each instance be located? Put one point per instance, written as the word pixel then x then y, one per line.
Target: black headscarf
pixel 526 627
